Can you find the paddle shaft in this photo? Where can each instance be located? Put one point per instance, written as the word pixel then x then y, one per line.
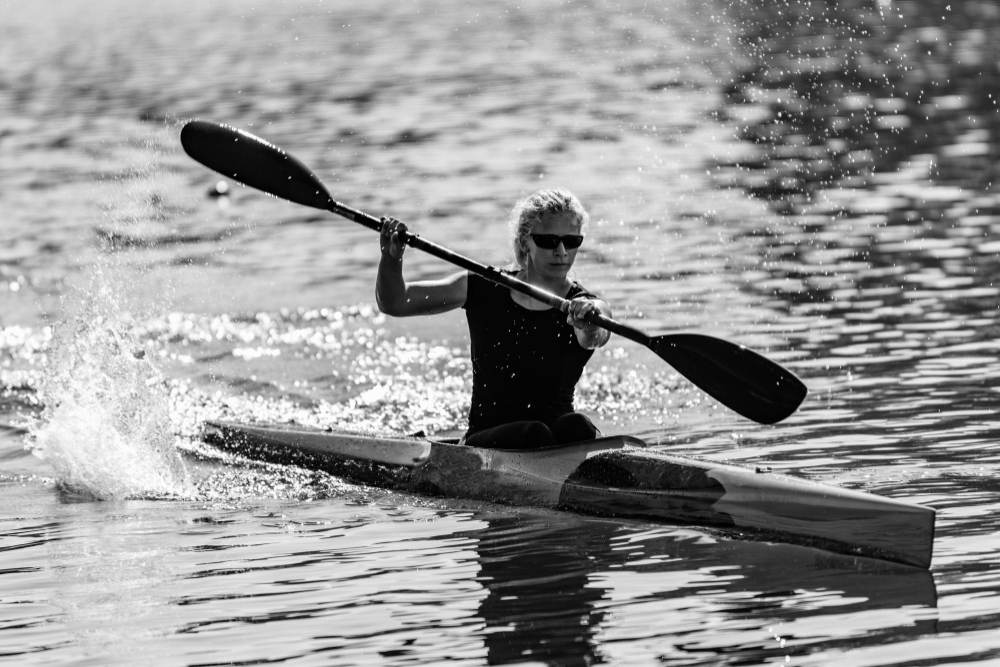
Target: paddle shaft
pixel 741 379
pixel 489 272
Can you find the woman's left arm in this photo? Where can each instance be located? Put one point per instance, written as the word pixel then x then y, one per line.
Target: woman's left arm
pixel 589 335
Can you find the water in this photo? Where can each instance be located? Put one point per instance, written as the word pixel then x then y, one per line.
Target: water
pixel 815 181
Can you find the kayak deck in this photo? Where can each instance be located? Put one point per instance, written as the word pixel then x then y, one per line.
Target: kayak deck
pixel 612 476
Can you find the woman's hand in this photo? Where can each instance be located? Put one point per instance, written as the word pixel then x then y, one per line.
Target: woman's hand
pixel 589 335
pixel 391 238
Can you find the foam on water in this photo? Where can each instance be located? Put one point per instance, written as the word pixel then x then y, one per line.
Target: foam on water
pixel 106 427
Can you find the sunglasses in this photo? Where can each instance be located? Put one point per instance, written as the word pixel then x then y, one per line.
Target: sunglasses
pixel 552 241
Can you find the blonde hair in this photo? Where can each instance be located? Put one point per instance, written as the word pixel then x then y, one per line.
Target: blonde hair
pixel 532 208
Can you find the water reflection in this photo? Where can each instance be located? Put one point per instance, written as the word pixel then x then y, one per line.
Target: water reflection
pixel 560 589
pixel 539 604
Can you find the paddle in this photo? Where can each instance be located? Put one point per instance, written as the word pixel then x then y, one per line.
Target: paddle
pixel 741 379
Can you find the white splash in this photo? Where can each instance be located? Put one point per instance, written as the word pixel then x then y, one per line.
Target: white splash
pixel 106 427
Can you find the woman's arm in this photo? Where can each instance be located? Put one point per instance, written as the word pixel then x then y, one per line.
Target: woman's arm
pixel 392 293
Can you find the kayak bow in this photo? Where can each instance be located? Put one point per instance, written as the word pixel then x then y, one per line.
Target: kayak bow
pixel 615 476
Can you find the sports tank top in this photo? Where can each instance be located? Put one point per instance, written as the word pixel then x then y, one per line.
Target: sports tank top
pixel 525 363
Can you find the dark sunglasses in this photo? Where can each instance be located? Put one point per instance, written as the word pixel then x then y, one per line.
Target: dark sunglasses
pixel 551 241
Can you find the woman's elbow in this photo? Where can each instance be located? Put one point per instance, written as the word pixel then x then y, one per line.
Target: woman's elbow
pixel 384 306
pixel 391 307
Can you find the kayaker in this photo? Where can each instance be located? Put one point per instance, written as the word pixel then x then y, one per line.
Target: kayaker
pixel 526 356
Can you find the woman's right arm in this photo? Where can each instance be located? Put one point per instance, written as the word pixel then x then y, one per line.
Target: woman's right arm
pixel 395 297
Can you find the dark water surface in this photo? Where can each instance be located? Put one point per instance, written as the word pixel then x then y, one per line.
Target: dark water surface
pixel 813 179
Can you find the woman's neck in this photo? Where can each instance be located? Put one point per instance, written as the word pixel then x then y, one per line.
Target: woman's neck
pixel 558 286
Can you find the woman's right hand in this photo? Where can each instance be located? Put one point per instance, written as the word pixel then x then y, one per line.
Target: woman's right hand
pixel 391 239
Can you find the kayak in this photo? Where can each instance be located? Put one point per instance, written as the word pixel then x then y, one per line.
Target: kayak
pixel 615 476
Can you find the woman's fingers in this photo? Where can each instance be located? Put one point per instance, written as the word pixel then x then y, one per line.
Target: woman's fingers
pixel 392 238
pixel 578 311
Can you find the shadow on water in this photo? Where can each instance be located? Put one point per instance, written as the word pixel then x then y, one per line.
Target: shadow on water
pixel 557 587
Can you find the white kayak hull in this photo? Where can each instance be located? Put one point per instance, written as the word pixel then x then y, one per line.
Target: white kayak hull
pixel 613 476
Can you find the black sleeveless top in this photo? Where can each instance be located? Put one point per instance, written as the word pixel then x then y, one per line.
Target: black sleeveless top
pixel 525 363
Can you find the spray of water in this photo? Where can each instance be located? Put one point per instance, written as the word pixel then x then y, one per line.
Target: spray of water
pixel 106 427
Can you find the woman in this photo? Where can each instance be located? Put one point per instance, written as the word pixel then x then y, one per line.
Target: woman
pixel 526 356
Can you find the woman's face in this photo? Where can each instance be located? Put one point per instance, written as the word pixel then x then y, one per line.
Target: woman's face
pixel 553 263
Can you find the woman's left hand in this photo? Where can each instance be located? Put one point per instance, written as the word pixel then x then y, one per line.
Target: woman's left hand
pixel 577 311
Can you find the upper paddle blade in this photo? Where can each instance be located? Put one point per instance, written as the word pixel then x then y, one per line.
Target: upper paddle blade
pixel 737 377
pixel 252 161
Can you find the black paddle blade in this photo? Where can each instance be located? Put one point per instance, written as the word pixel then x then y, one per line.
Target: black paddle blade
pixel 740 379
pixel 252 161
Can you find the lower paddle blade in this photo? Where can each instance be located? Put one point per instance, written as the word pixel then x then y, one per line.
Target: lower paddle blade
pixel 740 379
pixel 252 161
